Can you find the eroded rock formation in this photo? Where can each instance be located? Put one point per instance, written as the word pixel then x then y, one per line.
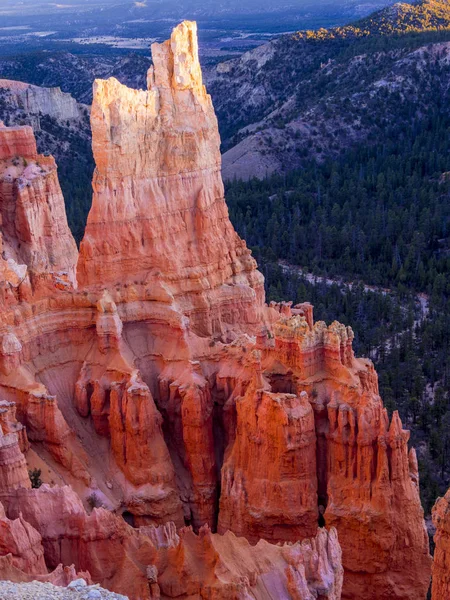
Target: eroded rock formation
pixel 163 389
pixel 22 554
pixel 159 562
pixel 13 467
pixel 33 218
pixel 158 211
pixel 269 480
pixel 441 561
pixel 23 542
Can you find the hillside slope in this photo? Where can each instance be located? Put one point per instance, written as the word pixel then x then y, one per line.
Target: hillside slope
pixel 74 73
pixel 312 94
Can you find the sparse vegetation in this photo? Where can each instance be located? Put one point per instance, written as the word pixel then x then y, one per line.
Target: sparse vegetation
pixel 35 478
pixel 94 501
pixel 335 89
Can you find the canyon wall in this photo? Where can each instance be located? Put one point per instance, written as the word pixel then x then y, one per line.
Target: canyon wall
pixel 36 101
pixel 164 401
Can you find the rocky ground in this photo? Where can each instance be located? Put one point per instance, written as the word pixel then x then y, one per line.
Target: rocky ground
pixel 77 590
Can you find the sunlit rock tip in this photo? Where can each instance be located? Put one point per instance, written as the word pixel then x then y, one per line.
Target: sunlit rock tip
pixel 175 62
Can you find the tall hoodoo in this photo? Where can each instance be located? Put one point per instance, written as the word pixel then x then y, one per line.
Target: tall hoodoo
pixel 269 482
pixel 158 206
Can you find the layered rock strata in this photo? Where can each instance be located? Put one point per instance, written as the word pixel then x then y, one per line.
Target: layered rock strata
pixel 163 389
pixel 158 208
pixel 17 142
pixel 35 100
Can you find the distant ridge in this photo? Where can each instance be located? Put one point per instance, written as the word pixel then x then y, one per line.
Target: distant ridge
pixel 401 17
pixel 311 94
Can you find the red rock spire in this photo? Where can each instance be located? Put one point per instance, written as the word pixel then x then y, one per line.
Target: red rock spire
pixel 158 208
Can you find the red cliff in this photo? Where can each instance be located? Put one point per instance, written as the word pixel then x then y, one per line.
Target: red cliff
pixel 34 226
pixel 269 480
pixel 17 142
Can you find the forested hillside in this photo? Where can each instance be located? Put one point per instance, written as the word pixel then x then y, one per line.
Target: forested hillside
pixel 380 213
pixel 316 94
pixel 355 121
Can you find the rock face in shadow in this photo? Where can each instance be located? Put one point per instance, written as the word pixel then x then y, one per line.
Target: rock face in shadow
pixel 159 388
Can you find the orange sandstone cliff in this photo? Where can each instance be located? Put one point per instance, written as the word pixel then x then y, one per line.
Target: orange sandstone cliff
pixel 165 402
